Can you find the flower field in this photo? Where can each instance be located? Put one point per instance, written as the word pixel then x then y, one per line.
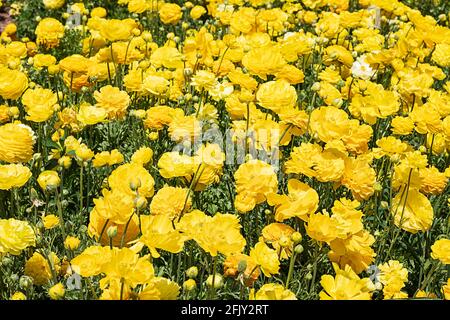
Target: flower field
pixel 237 149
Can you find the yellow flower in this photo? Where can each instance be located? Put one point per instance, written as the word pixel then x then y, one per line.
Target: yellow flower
pixel 106 158
pixel 53 4
pixel 155 85
pixel 159 288
pixel 115 205
pixel 217 234
pixel 311 160
pixel 183 128
pixel 126 266
pixel 272 291
pixel 189 285
pixel 71 243
pixel 57 291
pixel 16 142
pixel 117 30
pixel 265 258
pixel 38 268
pixel 90 115
pixel 441 250
pixel 197 12
pixel 300 202
pixel 113 100
pixel 142 156
pixel 264 61
pixel 204 80
pixel 48 180
pixel 279 236
pixel 412 211
pixel 99 224
pixel 15 236
pixel 433 181
pixel 76 64
pixel 91 261
pixel 276 95
pixel 359 177
pixel 128 174
pixel 13 176
pixel 12 83
pixel 173 164
pixel 346 285
pixel 160 116
pixel 321 227
pixel 170 13
pixel 393 276
pixel 18 296
pixel 441 54
pixel 338 53
pixel 446 290
pixel 167 57
pixel 99 12
pixel 50 221
pixel 354 251
pixel 255 180
pixel 39 104
pixel 170 201
pixel 49 31
pixel 158 233
pixel 402 125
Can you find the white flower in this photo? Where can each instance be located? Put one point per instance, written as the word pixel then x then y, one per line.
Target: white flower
pixel 361 69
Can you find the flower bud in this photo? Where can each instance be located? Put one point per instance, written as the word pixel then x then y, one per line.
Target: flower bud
pixel 298 249
pixel 112 231
pixel 25 282
pixel 57 292
pixel 296 237
pixel 218 281
pixel 189 285
pixel 192 272
pixel 242 266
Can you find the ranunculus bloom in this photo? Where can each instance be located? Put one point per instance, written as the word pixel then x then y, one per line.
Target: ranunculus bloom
pixel 13 176
pixel 16 142
pixel 12 83
pixel 170 13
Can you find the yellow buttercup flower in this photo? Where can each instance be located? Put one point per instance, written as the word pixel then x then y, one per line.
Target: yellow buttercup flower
pixel 13 176
pixel 15 236
pixel 16 142
pixel 53 4
pixel 49 32
pixel 113 100
pixel 272 291
pixel 48 180
pixel 50 221
pixel 91 115
pixel 276 95
pixel 301 201
pixel 57 291
pixel 441 250
pixel 393 276
pixel 346 285
pixel 412 211
pixel 12 83
pixel 170 201
pixel 39 269
pixel 265 258
pixel 170 13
